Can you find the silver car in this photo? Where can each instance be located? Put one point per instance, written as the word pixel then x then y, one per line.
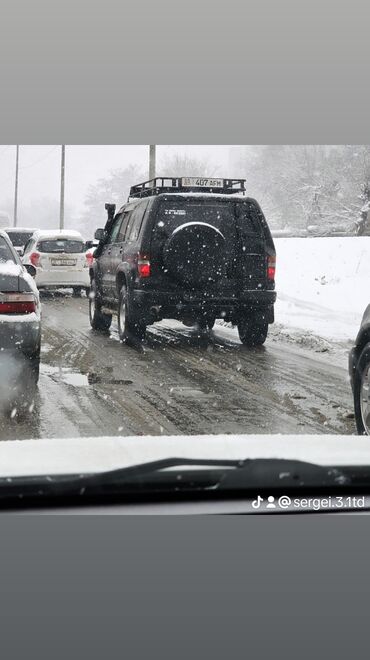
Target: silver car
pixel 20 309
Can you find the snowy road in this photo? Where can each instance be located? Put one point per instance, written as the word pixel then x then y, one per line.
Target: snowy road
pixel 179 383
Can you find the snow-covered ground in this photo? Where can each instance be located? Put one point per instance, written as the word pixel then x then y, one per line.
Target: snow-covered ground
pixel 323 285
pixel 323 289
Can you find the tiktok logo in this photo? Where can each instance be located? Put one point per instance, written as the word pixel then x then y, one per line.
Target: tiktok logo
pixel 257 503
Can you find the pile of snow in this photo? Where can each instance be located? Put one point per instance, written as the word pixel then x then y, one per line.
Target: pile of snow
pixel 323 284
pixel 90 455
pixel 10 268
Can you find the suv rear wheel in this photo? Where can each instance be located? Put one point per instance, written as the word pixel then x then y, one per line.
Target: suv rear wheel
pixel 252 332
pixel 361 392
pixel 98 320
pixel 129 324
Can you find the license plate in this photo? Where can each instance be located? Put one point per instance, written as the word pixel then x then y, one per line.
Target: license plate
pixel 194 182
pixel 63 262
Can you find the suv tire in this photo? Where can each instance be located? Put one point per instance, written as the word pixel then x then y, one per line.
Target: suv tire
pixel 252 333
pixel 186 259
pixel 98 320
pixel 361 390
pixel 35 368
pixel 129 323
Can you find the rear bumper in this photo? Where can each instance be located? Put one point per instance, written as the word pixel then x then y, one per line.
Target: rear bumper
pixel 20 333
pixel 172 305
pixel 60 278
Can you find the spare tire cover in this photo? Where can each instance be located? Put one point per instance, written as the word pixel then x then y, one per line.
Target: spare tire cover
pixel 194 254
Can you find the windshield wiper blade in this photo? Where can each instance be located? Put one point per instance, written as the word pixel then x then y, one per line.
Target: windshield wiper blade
pixel 176 475
pixel 284 473
pixel 247 473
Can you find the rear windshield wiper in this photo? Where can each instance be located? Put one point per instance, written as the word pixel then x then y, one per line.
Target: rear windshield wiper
pixel 182 476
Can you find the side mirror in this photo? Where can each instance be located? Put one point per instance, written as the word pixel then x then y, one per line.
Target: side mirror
pixel 100 235
pixel 31 270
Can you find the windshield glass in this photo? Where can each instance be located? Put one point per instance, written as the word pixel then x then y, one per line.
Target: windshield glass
pixel 217 318
pixel 222 215
pixel 66 246
pixel 19 239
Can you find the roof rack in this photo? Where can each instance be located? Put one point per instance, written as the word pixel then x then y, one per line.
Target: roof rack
pixel 162 184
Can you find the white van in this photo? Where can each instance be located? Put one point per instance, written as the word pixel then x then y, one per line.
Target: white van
pixel 59 258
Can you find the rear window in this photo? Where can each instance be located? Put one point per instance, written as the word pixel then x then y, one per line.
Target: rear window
pixel 60 246
pixel 224 215
pixel 5 252
pixel 19 239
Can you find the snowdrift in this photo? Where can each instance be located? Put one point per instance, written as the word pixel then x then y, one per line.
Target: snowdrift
pixel 323 284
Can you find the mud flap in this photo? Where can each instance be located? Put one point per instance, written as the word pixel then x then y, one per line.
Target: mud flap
pixel 265 315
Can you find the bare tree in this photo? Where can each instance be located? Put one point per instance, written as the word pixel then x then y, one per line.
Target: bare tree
pixel 114 189
pixel 314 188
pixel 182 165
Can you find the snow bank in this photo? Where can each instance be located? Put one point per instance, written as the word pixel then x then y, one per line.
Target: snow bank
pixel 83 455
pixel 323 284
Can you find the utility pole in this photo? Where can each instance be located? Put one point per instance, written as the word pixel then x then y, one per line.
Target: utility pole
pixel 152 161
pixel 62 172
pixel 16 186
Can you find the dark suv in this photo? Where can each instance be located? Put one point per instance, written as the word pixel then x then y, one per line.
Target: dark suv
pixel 188 249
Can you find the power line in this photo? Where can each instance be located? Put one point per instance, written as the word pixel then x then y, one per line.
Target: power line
pixel 36 162
pixel 4 150
pixel 6 180
pixel 24 167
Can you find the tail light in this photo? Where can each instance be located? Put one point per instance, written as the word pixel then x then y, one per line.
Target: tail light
pixel 143 265
pixel 35 259
pixel 89 259
pixel 17 303
pixel 271 268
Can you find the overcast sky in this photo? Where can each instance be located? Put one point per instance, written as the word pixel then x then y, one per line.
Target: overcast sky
pixel 39 167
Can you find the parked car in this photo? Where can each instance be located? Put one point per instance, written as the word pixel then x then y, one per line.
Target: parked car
pixel 359 371
pixel 20 308
pixel 189 249
pixel 19 236
pixel 59 258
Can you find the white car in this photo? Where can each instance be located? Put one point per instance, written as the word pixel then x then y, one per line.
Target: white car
pixel 59 258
